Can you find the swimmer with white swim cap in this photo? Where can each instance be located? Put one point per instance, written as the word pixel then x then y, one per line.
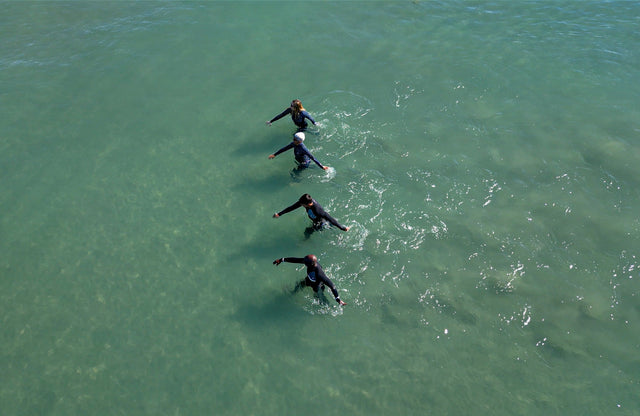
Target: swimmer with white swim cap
pixel 302 155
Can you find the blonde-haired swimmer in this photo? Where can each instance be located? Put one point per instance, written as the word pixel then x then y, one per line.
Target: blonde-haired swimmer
pixel 298 115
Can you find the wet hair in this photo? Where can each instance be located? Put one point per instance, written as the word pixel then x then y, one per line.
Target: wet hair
pixel 310 259
pixel 296 107
pixel 305 199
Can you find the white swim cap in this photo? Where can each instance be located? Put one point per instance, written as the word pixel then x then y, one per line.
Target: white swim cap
pixel 299 136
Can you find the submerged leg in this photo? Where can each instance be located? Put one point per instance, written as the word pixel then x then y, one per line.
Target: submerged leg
pixel 321 296
pixel 308 231
pixel 316 226
pixel 299 286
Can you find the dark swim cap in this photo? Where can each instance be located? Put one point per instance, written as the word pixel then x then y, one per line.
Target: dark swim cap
pixel 310 259
pixel 305 199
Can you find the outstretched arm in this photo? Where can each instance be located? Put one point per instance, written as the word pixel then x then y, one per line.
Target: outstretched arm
pixel 288 260
pixel 287 209
pixel 333 221
pixel 284 149
pixel 331 286
pixel 279 116
pixel 325 215
pixel 315 160
pixel 308 116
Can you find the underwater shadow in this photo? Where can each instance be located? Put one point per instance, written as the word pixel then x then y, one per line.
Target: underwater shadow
pixel 275 181
pixel 265 145
pixel 275 311
pixel 267 248
pixel 270 183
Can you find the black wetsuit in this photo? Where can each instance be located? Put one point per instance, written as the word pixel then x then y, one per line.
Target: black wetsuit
pixel 316 213
pixel 315 276
pixel 299 120
pixel 302 155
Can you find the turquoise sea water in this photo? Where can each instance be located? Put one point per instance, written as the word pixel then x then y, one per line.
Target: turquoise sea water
pixel 485 156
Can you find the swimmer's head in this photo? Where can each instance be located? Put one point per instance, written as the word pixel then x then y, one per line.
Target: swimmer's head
pixel 298 137
pixel 296 105
pixel 310 260
pixel 305 199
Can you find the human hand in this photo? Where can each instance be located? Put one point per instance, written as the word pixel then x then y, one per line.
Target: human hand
pixel 325 167
pixel 268 123
pixel 346 228
pixel 341 302
pixel 276 215
pixel 272 156
pixel 277 261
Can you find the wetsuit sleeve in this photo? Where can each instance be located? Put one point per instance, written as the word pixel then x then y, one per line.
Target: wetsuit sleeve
pixel 279 116
pixel 284 149
pixel 293 259
pixel 323 277
pixel 313 158
pixel 322 213
pixel 307 115
pixel 290 208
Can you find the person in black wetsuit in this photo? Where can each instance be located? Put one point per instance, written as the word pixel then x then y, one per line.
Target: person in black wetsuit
pixel 316 213
pixel 315 275
pixel 302 155
pixel 298 115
